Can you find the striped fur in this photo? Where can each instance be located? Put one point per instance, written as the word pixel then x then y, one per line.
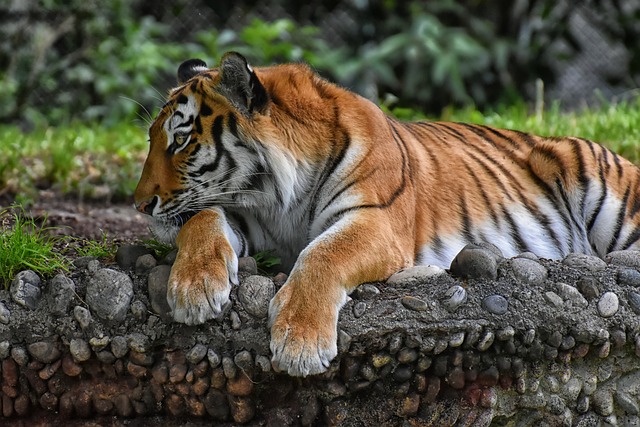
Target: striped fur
pixel 278 158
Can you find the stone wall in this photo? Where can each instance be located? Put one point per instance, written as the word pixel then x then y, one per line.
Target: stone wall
pixel 522 341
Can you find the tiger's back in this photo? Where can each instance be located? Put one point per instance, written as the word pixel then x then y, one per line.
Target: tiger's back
pixel 549 196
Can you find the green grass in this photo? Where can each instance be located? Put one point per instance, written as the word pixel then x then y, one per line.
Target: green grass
pixel 102 248
pixel 87 160
pixel 26 245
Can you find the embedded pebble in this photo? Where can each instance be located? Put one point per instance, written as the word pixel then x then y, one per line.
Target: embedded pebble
pixel 553 299
pixel 506 333
pixel 145 263
pixel 413 303
pixel 628 277
pixel 475 262
pixel 157 290
pixel 5 314
pixel 119 346
pixel 80 350
pixel 486 341
pixel 602 401
pixel 213 358
pixel 138 342
pixel 19 355
pixel 528 271
pixel 248 265
pixel 5 347
pixel 407 355
pixel 588 286
pixel 229 367
pixel 254 293
pixel 584 262
pixel 419 273
pixel 139 310
pixel 571 295
pixel 82 316
pixel 365 291
pixel 98 344
pixel 25 289
pixel 626 258
pixel 127 255
pixel 263 363
pixel 358 309
pixel 236 323
pixel 344 341
pixel 243 360
pixel 634 301
pixel 496 304
pixel 455 296
pixel 456 339
pixel 44 351
pixel 61 291
pixel 196 354
pixel 627 402
pixel 608 304
pixel 109 294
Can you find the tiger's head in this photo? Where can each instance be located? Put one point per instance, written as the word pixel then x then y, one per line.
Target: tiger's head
pixel 222 139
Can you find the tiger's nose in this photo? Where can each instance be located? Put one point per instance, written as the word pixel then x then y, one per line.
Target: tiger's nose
pixel 146 206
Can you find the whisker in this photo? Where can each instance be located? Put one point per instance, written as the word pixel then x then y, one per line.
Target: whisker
pixel 149 116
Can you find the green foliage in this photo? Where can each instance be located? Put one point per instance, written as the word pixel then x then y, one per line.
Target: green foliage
pixel 265 43
pixel 160 249
pixel 26 245
pixel 266 260
pixel 87 160
pixel 102 248
pixel 82 60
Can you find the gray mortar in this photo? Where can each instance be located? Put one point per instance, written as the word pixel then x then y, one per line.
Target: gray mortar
pixel 549 343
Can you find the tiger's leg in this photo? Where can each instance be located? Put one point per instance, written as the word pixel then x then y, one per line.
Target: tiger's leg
pixel 205 267
pixel 303 315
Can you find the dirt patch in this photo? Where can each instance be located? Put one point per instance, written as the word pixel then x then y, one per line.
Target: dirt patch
pixel 87 218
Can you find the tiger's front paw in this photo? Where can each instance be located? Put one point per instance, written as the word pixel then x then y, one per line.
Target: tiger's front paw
pixel 201 276
pixel 197 293
pixel 303 336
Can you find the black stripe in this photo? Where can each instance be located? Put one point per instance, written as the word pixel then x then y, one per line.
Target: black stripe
pixel 397 192
pixel 514 233
pixel 619 221
pixel 633 238
pixel 182 99
pixel 465 219
pixel 596 212
pixel 499 134
pixel 239 224
pixel 216 130
pixel 232 123
pixel 205 110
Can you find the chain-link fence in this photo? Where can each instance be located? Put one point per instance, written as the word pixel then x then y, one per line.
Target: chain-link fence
pixel 66 59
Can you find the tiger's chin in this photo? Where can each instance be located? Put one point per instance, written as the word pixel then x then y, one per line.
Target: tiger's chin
pixel 164 231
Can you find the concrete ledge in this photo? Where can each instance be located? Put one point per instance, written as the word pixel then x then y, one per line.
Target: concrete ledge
pixel 426 348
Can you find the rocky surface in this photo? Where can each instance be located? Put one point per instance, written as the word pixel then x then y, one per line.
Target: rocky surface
pixel 493 341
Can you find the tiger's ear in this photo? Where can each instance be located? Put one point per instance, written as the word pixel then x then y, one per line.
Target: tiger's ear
pixel 240 85
pixel 190 68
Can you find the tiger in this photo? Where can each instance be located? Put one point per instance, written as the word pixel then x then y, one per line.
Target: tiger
pixel 245 159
